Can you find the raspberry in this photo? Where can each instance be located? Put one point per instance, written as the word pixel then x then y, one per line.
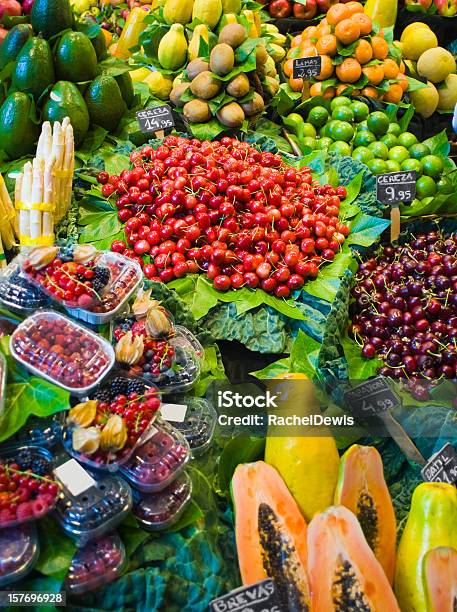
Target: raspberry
pixel 85 301
pixel 25 510
pixel 40 506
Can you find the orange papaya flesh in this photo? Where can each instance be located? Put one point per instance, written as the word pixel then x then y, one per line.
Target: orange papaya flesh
pixel 440 579
pixel 344 575
pixel 270 534
pixel 362 488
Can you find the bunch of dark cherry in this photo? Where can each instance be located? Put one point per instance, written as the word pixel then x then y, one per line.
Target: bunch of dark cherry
pixel 241 216
pixel 404 309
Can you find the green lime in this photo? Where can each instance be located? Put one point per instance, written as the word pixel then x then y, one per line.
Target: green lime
pixel 323 143
pixel 340 148
pixel 341 130
pixel 339 101
pixel 318 116
pixel 293 122
pixel 329 127
pixel 362 154
pixel 399 153
pixel 308 129
pixel 394 129
pixel 343 113
pixel 363 139
pixel 378 123
pixel 445 186
pixel 363 126
pixel 433 166
pixel 322 131
pixel 379 150
pixel 390 140
pixel 412 164
pixel 407 139
pixel 425 187
pixel 392 166
pixel 308 141
pixel 419 150
pixel 376 166
pixel 360 110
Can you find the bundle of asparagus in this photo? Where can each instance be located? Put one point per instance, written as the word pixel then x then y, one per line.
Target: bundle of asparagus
pixel 8 228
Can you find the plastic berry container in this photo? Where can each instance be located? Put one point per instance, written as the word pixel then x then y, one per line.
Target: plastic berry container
pixel 159 461
pixel 99 562
pixel 3 373
pixel 156 511
pixel 17 293
pixel 56 348
pixel 37 431
pixel 19 551
pixel 33 499
pixel 96 512
pixel 199 424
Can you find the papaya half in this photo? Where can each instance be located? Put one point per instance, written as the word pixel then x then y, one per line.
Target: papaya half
pixel 343 572
pixel 432 522
pixel 270 534
pixel 440 579
pixel 361 488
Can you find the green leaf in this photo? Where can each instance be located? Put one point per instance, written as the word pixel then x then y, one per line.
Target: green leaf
pixel 192 514
pixel 103 224
pixel 406 118
pixel 327 283
pixel 207 131
pixel 439 144
pixel 241 449
pixel 364 230
pixel 359 368
pixel 352 191
pixel 56 551
pixel 304 354
pixel 285 99
pixel 116 162
pixel 132 536
pixel 93 141
pixel 414 84
pixel 282 366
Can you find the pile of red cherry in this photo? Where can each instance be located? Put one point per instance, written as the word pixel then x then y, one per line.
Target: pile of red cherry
pixel 405 308
pixel 224 208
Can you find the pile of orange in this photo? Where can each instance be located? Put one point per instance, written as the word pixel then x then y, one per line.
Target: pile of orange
pixel 346 24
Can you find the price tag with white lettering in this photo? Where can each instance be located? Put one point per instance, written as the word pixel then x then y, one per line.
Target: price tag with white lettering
pixel 372 397
pixel 155 119
pixel 394 187
pixel 259 597
pixel 306 67
pixel 442 466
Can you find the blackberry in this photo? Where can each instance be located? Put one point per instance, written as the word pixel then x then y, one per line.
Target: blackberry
pixel 101 278
pixel 40 466
pixel 118 386
pixel 25 459
pixel 103 395
pixel 136 386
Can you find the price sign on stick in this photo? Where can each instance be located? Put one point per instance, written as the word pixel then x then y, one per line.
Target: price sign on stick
pixel 442 466
pixel 259 597
pixel 396 187
pixel 306 67
pixel 155 119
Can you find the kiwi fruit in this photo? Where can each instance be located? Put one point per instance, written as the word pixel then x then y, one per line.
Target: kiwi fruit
pixel 233 34
pixel 222 59
pixel 231 115
pixel 205 85
pixel 197 111
pixel 177 93
pixel 238 86
pixel 195 67
pixel 254 106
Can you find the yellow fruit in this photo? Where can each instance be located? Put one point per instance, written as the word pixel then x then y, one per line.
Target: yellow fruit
pixel 253 27
pixel 415 44
pixel 425 100
pixel 172 51
pixel 200 33
pixel 178 11
pixel 276 52
pixel 411 27
pixel 447 93
pixel 436 64
pixel 207 11
pixel 231 6
pixel 159 85
pixel 139 75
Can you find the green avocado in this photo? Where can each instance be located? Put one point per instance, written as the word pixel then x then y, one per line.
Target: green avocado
pixel 104 102
pixel 51 17
pixel 18 133
pixel 34 68
pixel 125 83
pixel 75 58
pixel 65 100
pixel 99 44
pixel 13 43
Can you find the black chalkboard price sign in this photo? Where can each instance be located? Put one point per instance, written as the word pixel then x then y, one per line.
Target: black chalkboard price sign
pixel 372 397
pixel 394 187
pixel 442 466
pixel 306 67
pixel 259 597
pixel 155 119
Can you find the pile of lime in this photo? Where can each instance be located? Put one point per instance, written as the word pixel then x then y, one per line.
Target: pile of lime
pixel 349 128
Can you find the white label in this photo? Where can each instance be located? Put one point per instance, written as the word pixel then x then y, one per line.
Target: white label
pixel 74 477
pixel 176 413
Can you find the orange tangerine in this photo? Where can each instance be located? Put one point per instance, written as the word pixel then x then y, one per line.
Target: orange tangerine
pixel 323 28
pixel 354 7
pixel 337 13
pixel 349 71
pixel 296 40
pixel 394 94
pixel 347 31
pixel 364 22
pixel 307 49
pixel 316 90
pixel 288 67
pixel 326 45
pixel 309 32
pixel 402 67
pixel 363 51
pixel 369 92
pixel 296 84
pixel 402 81
pixel 326 68
pixel 391 68
pixel 374 74
pixel 342 87
pixel 380 48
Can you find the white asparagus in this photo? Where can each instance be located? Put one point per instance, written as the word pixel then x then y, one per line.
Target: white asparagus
pixel 26 198
pixel 49 196
pixel 8 205
pixel 69 165
pixel 37 198
pixel 44 143
pixel 58 152
pixel 17 196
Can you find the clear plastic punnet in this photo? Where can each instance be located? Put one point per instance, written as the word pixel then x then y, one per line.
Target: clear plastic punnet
pixel 99 562
pixel 156 511
pixel 19 550
pixel 61 351
pixel 159 461
pixel 44 432
pixel 95 512
pixel 3 373
pixel 17 293
pixel 199 423
pixel 26 497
